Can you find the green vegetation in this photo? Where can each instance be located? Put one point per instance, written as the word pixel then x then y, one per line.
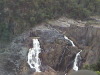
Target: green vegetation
pixel 94 67
pixel 4 32
pixel 17 16
pixel 92 5
pixel 98 72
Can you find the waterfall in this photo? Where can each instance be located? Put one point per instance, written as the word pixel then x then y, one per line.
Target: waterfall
pixel 33 56
pixel 70 41
pixel 75 66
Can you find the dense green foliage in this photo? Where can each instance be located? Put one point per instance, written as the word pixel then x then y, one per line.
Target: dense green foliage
pixel 98 72
pixel 19 15
pixel 92 5
pixel 94 67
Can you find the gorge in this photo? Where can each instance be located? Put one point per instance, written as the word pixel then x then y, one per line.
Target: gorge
pixel 52 48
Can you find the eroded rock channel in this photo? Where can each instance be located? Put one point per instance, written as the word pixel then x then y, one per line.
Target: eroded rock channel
pixel 57 53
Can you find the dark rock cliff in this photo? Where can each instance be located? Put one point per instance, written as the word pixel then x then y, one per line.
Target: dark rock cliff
pixel 57 54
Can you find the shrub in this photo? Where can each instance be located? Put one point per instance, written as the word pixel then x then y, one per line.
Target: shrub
pixel 98 72
pixel 23 14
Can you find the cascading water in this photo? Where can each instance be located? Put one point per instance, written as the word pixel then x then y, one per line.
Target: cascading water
pixel 70 41
pixel 75 66
pixel 33 56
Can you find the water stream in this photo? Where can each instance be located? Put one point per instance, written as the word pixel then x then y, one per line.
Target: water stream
pixel 75 66
pixel 33 56
pixel 70 41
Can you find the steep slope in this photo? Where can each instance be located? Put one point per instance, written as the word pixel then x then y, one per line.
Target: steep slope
pixel 57 53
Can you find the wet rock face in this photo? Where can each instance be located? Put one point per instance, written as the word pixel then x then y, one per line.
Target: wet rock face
pixel 56 52
pixel 57 55
pixel 86 38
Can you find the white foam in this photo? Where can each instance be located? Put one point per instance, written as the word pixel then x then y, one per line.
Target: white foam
pixel 33 56
pixel 75 66
pixel 70 41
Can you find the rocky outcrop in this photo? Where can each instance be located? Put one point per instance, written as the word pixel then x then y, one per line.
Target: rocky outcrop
pixel 57 54
pixel 85 36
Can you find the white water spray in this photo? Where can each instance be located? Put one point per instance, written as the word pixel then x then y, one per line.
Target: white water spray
pixel 33 56
pixel 70 41
pixel 75 66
